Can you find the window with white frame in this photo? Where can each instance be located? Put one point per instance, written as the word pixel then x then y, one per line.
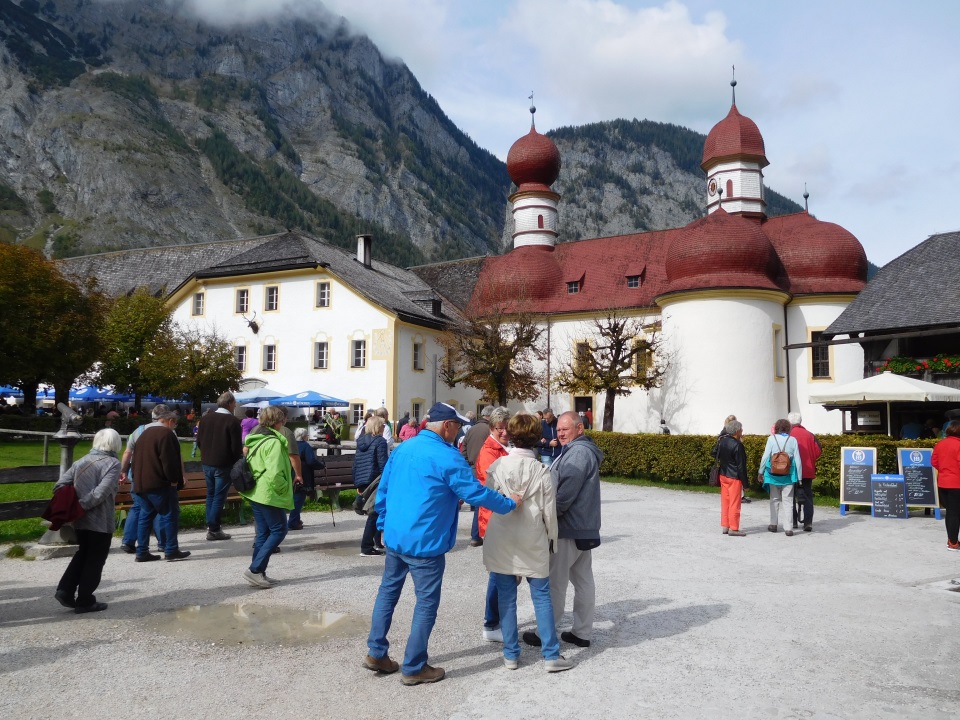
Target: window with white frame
pixel 198 303
pixel 243 301
pixel 356 413
pixel 323 294
pixel 240 357
pixel 417 410
pixel 633 281
pixel 272 299
pixel 269 357
pixel 573 287
pixel 320 355
pixel 418 351
pixel 358 354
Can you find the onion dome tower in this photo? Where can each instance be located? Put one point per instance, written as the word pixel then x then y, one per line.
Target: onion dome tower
pixel 534 164
pixel 733 159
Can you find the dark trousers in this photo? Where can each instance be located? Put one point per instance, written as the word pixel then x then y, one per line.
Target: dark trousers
pixel 82 575
pixel 803 502
pixel 475 525
pixel 950 499
pixel 369 533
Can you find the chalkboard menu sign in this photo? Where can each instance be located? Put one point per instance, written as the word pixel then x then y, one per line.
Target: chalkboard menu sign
pixel 857 465
pixel 889 496
pixel 920 476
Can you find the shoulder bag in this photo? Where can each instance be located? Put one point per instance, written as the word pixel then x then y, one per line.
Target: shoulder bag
pixel 241 473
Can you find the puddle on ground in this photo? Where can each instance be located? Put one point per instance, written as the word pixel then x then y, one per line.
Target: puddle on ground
pixel 340 547
pixel 249 624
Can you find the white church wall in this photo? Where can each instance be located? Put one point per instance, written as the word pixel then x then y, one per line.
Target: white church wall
pixel 722 361
pixel 846 362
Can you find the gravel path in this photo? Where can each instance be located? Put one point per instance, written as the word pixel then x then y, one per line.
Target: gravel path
pixel 853 620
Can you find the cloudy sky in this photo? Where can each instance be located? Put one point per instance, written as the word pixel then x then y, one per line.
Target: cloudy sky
pixel 856 98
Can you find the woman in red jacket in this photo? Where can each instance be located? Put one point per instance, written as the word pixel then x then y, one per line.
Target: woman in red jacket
pixel 946 459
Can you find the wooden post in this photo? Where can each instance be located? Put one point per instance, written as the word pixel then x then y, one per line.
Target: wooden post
pixel 46 449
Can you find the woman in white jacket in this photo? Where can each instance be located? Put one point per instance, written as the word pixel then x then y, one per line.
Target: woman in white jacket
pixel 518 544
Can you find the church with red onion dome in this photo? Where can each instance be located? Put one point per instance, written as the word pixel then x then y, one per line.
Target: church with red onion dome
pixel 738 298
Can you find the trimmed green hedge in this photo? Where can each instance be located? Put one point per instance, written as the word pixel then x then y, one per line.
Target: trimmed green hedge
pixel 685 459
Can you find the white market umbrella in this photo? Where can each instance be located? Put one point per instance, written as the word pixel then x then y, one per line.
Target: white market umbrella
pixel 886 387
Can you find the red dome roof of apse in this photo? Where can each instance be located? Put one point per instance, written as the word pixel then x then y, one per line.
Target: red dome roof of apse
pixel 527 273
pixel 721 251
pixel 817 256
pixel 533 160
pixel 735 135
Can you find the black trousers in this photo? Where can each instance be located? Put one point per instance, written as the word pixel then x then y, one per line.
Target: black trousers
pixel 82 575
pixel 950 499
pixel 803 502
pixel 369 538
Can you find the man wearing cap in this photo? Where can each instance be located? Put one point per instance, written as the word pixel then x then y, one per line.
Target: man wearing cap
pixel 417 503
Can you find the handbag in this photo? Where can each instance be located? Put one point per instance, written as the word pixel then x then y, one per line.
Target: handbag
pixel 779 461
pixel 241 474
pixel 363 504
pixel 584 544
pixel 714 479
pixel 64 507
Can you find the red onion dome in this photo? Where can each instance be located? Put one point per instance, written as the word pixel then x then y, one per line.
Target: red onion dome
pixel 533 162
pixel 721 251
pixel 526 273
pixel 820 257
pixel 734 136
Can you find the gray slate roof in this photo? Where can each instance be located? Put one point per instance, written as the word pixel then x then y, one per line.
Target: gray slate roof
pixel 164 269
pixel 454 280
pixel 918 290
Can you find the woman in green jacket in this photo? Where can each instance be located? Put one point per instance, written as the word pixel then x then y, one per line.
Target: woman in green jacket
pixel 267 452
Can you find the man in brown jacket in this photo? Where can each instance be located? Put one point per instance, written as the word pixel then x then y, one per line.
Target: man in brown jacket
pixel 470 449
pixel 220 447
pixel 157 475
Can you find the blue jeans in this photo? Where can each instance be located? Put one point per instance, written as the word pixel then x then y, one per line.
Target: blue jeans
pixel 491 610
pixel 475 527
pixel 131 524
pixel 166 505
pixel 427 576
pixel 547 460
pixel 542 607
pixel 271 530
pixel 218 487
pixel 299 498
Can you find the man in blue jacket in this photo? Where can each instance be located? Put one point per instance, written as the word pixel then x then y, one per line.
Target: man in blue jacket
pixel 418 508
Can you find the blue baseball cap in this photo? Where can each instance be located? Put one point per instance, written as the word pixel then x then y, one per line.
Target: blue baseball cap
pixel 441 411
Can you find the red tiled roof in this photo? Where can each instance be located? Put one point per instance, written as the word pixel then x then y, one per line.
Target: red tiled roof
pixel 734 136
pixel 533 162
pixel 816 256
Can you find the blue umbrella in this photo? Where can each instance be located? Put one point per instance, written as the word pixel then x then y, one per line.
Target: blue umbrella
pixel 11 391
pixel 92 394
pixel 257 396
pixel 309 398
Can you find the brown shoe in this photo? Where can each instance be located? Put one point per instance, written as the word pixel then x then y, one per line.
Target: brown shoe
pixel 427 675
pixel 384 664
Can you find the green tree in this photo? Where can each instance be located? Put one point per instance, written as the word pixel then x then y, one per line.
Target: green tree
pixel 133 323
pixel 50 325
pixel 496 354
pixel 192 363
pixel 624 355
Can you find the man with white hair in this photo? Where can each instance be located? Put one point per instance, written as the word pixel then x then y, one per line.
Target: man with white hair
pixel 810 451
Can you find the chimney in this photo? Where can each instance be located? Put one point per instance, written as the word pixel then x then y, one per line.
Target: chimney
pixel 364 248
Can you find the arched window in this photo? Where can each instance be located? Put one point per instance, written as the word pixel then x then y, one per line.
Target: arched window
pixel 729 189
pixel 540 221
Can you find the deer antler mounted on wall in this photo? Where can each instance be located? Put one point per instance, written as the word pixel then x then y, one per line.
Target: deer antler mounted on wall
pixel 252 322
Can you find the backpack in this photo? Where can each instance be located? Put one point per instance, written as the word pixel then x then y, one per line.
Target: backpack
pixel 241 473
pixel 779 461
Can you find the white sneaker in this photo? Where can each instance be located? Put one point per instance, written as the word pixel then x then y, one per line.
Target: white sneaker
pixel 493 635
pixel 511 664
pixel 558 665
pixel 258 580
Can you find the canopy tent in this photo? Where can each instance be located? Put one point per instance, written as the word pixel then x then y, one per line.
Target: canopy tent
pixel 94 394
pixel 886 387
pixel 309 398
pixel 255 397
pixel 11 391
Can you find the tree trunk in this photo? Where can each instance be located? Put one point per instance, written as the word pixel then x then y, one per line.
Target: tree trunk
pixel 30 397
pixel 608 411
pixel 137 400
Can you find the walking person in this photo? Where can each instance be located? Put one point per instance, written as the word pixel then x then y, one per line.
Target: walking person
pixel 518 544
pixel 780 474
pixel 549 444
pixel 810 452
pixel 131 525
pixel 470 449
pixel 946 459
pixel 417 504
pixel 221 445
pixel 368 465
pixel 95 478
pixel 268 454
pixel 732 458
pixel 308 463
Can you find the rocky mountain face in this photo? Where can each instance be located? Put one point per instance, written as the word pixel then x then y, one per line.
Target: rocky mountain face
pixel 131 123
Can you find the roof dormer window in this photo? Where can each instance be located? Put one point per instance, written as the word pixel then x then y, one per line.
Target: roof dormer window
pixel 633 281
pixel 573 287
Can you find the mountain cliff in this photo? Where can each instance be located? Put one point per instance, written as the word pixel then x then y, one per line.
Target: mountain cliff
pixel 127 124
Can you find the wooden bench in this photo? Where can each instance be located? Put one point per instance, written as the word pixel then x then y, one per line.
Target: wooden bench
pixel 337 475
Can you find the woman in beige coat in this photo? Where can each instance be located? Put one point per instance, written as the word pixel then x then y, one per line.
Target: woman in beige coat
pixel 518 544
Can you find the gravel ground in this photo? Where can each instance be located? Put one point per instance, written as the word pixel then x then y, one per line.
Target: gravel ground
pixel 854 620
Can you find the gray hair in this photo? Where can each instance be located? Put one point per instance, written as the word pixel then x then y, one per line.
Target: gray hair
pixel 470 415
pixel 159 410
pixel 435 426
pixel 548 410
pixel 382 412
pixel 794 418
pixel 733 427
pixel 574 417
pixel 300 434
pixel 499 415
pixel 487 410
pixel 224 400
pixel 107 440
pixel 165 415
